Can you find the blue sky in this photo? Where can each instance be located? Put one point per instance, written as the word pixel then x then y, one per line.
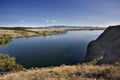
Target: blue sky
pixel 59 12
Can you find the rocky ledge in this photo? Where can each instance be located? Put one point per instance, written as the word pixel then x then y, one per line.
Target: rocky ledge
pixel 106 48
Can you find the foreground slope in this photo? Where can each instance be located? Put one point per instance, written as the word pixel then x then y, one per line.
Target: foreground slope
pixel 75 72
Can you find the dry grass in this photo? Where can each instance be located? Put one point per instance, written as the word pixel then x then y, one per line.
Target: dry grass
pixel 75 72
pixel 31 32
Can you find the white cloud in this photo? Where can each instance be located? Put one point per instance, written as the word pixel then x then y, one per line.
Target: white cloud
pixel 54 21
pixel 21 21
pixel 50 21
pixel 47 21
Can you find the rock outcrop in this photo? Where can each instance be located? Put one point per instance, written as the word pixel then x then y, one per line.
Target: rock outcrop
pixel 106 47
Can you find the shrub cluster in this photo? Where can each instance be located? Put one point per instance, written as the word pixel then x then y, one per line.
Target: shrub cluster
pixel 4 39
pixel 8 63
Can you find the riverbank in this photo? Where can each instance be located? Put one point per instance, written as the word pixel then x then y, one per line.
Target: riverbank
pixel 21 32
pixel 64 72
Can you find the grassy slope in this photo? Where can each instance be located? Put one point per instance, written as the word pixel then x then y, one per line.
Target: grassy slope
pixel 75 72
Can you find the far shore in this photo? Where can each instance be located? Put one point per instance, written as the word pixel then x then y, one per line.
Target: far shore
pixel 8 33
pixel 21 32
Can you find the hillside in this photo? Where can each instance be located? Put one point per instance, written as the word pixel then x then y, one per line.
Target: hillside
pixel 75 72
pixel 106 47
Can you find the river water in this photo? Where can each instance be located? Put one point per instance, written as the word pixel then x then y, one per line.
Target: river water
pixel 53 50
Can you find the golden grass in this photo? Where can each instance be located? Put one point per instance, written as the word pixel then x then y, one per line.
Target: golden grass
pixel 74 72
pixel 31 32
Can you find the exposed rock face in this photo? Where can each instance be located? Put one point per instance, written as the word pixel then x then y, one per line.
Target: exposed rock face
pixel 106 45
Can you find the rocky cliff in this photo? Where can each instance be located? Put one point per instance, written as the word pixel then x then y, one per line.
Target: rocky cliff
pixel 106 48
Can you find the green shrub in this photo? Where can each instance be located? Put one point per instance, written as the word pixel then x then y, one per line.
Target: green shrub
pixel 8 63
pixel 4 39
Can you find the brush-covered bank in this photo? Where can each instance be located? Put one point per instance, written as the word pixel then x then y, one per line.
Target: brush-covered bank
pixel 21 32
pixel 10 70
pixel 66 72
pixel 30 32
pixel 8 63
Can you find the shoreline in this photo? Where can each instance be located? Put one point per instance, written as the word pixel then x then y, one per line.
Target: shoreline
pixel 31 32
pixel 7 34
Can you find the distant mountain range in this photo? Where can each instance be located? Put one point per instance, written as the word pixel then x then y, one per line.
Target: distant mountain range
pixel 71 26
pixel 53 27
